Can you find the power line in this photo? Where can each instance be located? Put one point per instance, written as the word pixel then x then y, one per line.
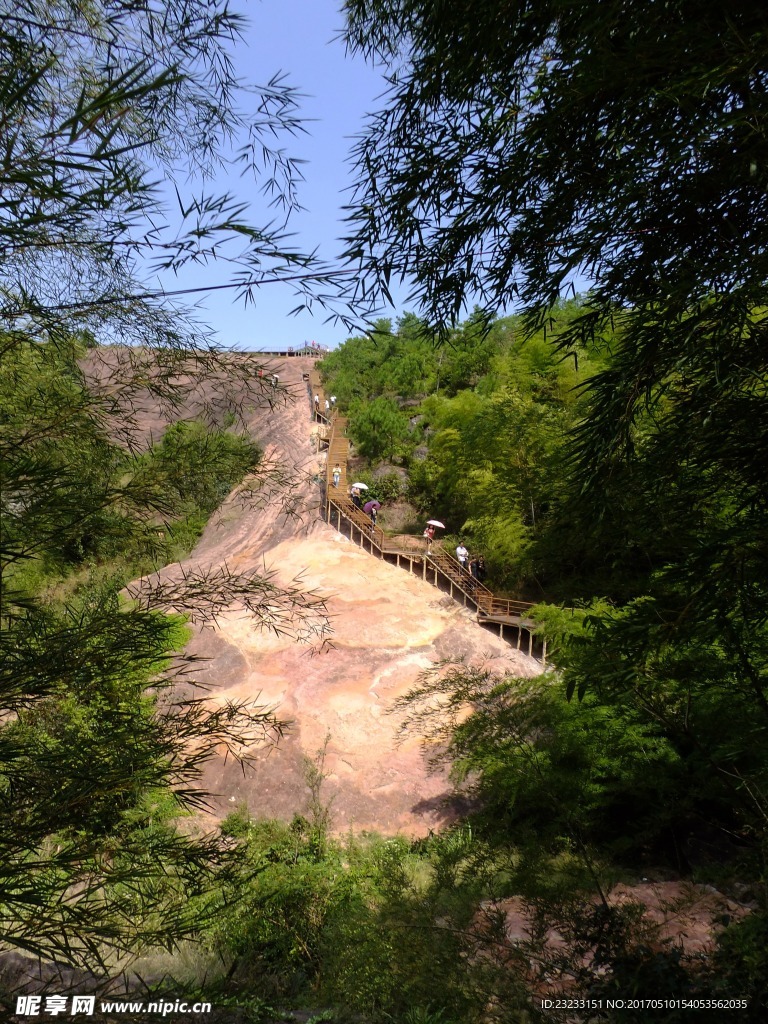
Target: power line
pixel 112 300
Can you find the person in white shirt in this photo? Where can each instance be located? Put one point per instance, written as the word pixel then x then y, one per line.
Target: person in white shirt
pixel 462 555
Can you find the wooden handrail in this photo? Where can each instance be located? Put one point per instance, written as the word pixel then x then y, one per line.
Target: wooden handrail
pixel 359 519
pixel 440 555
pixel 492 605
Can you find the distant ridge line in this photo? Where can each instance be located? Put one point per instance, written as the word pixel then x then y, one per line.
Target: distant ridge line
pixel 289 352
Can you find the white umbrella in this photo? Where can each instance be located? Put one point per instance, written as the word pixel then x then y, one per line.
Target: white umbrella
pixel 435 522
pixel 363 487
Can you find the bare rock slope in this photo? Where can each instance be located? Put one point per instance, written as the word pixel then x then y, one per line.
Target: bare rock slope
pixel 388 626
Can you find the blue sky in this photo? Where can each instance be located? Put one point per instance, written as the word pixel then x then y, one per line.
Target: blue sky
pixel 295 37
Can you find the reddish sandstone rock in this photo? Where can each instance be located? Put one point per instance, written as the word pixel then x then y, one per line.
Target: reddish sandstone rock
pixel 387 628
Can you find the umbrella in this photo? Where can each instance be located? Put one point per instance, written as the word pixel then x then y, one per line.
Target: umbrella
pixel 435 522
pixel 371 504
pixel 363 487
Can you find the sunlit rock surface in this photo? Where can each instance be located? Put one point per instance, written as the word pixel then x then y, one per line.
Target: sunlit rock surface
pixel 387 627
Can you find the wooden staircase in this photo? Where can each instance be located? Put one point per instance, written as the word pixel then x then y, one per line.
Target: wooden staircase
pixel 437 565
pixel 459 577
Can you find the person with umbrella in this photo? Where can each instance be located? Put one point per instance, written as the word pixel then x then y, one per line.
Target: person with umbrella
pixel 372 508
pixel 356 488
pixel 429 531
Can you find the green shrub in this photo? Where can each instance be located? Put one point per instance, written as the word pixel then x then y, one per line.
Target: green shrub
pixel 200 464
pixel 382 488
pixel 544 767
pixel 380 430
pixel 740 964
pixel 272 912
pixel 377 928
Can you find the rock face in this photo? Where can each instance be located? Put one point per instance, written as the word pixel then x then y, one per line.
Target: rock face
pixel 387 627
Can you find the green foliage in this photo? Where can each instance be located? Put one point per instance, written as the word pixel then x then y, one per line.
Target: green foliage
pixel 547 770
pixel 565 790
pixel 495 415
pixel 628 178
pixel 201 465
pixel 86 747
pixel 646 487
pixel 97 757
pixel 407 363
pixel 100 105
pixel 741 961
pixel 372 927
pixel 383 363
pixel 384 487
pixel 378 429
pixel 276 907
pixel 495 468
pixel 56 458
pixel 80 498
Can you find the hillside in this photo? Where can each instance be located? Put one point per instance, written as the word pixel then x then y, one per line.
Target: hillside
pixel 387 627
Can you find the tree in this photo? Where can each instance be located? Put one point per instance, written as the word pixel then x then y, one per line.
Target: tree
pixel 379 428
pixel 102 104
pixel 560 125
pixel 99 751
pixel 521 145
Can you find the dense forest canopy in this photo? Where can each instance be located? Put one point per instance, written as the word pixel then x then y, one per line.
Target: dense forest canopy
pixel 480 424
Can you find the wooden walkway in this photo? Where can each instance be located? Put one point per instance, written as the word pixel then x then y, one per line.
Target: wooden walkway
pixel 437 565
